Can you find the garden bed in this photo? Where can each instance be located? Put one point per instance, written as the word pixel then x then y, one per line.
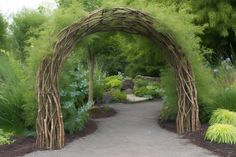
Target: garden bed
pixel 102 112
pixel 24 145
pixel 197 138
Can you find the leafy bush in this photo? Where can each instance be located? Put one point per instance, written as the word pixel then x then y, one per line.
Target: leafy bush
pixel 113 82
pixel 223 91
pixel 148 91
pixel 170 98
pixel 225 99
pixel 75 119
pixel 222 116
pixel 140 83
pixel 117 95
pixel 145 88
pixel 166 114
pixel 5 138
pixel 225 74
pixel 72 99
pixel 221 133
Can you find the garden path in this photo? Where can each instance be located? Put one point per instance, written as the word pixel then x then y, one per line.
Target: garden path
pixel 133 132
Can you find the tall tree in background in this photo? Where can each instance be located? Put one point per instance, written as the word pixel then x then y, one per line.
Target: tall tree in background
pixel 3 32
pixel 219 35
pixel 24 26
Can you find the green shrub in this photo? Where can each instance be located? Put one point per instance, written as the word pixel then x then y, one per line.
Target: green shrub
pixel 11 94
pixel 99 85
pixel 222 116
pixel 5 138
pixel 148 91
pixel 117 96
pixel 223 91
pixel 166 114
pixel 73 98
pixel 221 133
pixel 113 82
pixel 140 83
pixel 225 99
pixel 75 119
pixel 169 95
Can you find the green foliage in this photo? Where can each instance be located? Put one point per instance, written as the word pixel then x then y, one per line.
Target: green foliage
pixel 72 99
pixel 221 133
pixel 99 84
pixel 3 32
pixel 113 81
pixel 117 96
pixel 74 85
pixel 91 5
pixel 151 91
pixel 225 99
pixel 26 24
pixel 221 93
pixel 5 138
pixel 225 74
pixel 112 55
pixel 217 14
pixel 219 17
pixel 75 119
pixel 11 94
pixel 145 88
pixel 143 56
pixel 170 108
pixel 140 83
pixel 222 116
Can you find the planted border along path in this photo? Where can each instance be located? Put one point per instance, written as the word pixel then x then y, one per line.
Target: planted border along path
pixel 133 132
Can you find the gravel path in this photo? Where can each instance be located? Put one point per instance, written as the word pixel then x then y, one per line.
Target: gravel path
pixel 133 132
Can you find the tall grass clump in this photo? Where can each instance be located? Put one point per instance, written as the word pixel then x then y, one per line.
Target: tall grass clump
pixel 222 116
pixel 221 133
pixel 11 94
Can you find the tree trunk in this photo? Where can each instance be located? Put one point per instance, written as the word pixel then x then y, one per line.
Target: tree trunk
pixel 91 64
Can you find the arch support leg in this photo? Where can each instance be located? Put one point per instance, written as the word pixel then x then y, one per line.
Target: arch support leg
pixel 188 111
pixel 49 122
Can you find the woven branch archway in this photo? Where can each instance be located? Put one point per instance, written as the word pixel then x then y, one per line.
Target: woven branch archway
pixel 49 123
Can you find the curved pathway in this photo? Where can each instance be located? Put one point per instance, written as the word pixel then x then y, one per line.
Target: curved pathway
pixel 133 132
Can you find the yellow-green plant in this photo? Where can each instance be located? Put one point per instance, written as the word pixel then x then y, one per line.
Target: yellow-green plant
pixel 5 138
pixel 223 116
pixel 221 133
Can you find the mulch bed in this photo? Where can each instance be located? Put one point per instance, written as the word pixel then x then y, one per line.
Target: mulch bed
pixel 102 112
pixel 197 138
pixel 24 145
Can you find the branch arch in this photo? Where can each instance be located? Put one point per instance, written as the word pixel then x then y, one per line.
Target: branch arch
pixel 49 123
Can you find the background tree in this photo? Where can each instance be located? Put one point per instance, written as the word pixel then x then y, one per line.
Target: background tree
pixel 26 24
pixel 220 20
pixel 3 32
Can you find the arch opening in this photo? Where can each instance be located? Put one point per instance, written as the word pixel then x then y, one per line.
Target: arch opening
pixel 49 123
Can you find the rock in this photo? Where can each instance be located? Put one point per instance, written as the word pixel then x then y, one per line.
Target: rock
pixel 128 91
pixel 127 84
pixel 148 78
pixel 106 98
